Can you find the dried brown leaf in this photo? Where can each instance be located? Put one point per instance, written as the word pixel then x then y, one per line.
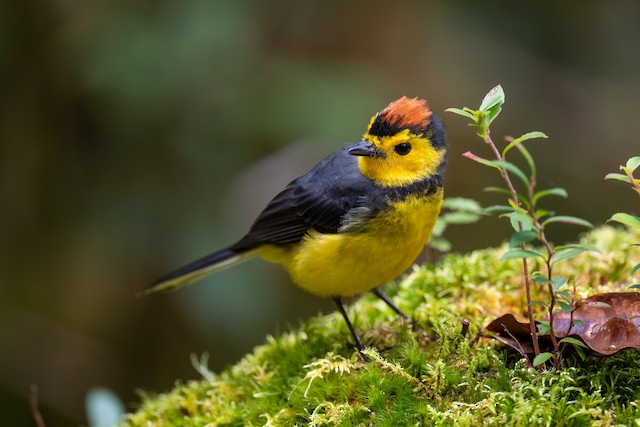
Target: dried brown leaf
pixel 606 323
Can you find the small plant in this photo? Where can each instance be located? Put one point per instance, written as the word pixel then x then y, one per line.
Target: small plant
pixel 530 223
pixel 625 218
pixel 628 169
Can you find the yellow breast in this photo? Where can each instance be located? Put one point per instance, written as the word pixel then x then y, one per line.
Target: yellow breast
pixel 350 263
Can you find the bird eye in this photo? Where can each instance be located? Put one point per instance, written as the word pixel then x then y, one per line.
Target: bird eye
pixel 403 148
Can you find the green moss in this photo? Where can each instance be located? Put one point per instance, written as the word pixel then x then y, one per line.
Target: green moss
pixel 311 377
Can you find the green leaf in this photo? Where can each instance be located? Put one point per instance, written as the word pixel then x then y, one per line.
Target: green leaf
pixel 540 279
pixel 498 190
pixel 494 97
pixel 636 268
pixel 517 219
pixel 499 165
pixel 516 207
pixel 521 139
pixel 567 220
pixel 498 208
pixel 566 254
pixel 564 306
pixel 521 237
pixel 460 217
pixel 543 327
pixel 577 345
pixel 618 177
pixel 528 157
pixel 481 160
pixel 626 219
pixel 523 201
pixel 578 322
pixel 520 253
pixel 492 104
pixel 439 227
pixel 544 304
pixel 541 358
pixel 557 191
pixel 589 248
pixel 541 213
pixel 635 286
pixel 440 244
pixel 580 352
pixel 462 204
pixel 506 193
pixel 573 341
pixel 558 282
pixel 565 294
pixel 460 112
pixel 633 163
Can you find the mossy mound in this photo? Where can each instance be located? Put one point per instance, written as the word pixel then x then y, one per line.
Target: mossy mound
pixel 311 377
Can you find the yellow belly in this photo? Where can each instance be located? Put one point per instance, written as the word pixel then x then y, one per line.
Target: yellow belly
pixel 346 264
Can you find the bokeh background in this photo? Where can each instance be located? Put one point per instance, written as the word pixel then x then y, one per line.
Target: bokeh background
pixel 136 136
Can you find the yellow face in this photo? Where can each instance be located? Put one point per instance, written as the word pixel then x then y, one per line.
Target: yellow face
pixel 406 158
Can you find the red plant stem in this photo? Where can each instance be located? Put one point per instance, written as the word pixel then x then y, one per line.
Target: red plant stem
pixel 525 266
pixel 543 238
pixel 633 181
pixel 532 322
pixel 552 303
pixel 503 171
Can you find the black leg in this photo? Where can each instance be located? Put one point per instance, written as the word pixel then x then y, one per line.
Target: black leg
pixel 357 339
pixel 395 308
pixel 390 303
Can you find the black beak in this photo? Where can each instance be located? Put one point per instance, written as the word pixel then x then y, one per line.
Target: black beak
pixel 366 149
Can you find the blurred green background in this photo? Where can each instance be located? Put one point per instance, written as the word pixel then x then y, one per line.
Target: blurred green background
pixel 136 136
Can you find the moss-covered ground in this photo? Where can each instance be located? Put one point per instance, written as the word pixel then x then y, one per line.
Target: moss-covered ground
pixel 311 377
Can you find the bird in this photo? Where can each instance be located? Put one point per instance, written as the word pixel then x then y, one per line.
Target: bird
pixel 356 220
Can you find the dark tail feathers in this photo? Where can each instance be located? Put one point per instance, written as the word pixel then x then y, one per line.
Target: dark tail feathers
pixel 197 269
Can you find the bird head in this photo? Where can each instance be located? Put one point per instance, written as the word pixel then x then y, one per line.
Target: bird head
pixel 403 144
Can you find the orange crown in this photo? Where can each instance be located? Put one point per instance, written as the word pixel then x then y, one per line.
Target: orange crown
pixel 404 113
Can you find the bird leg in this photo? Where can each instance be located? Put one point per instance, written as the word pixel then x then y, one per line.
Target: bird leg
pixel 361 347
pixel 414 325
pixel 394 307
